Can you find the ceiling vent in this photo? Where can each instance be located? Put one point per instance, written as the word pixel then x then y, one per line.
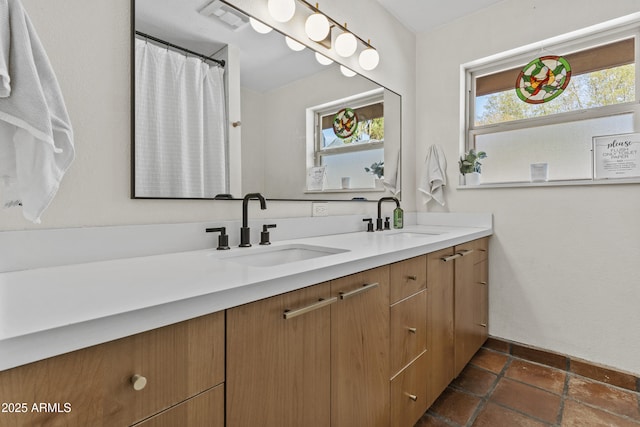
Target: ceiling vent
pixel 230 16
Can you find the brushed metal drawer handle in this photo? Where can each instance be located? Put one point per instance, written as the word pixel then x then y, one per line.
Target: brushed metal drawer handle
pixel 138 382
pixel 412 396
pixel 484 325
pixel 450 257
pixel 483 283
pixel 412 277
pixel 290 314
pixel 465 252
pixel 364 288
pixel 413 330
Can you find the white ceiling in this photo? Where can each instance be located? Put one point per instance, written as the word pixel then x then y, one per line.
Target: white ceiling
pixel 424 15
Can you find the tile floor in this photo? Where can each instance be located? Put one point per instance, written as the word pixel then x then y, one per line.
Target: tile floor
pixel 501 390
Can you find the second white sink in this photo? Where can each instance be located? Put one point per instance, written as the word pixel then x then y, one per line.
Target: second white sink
pixel 276 255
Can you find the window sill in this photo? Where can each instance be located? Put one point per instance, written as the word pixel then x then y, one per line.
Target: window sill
pixel 346 190
pixel 550 183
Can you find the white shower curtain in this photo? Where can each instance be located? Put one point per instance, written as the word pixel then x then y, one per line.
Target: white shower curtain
pixel 180 148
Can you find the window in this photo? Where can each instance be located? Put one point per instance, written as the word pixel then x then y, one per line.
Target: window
pixel 600 99
pixel 355 148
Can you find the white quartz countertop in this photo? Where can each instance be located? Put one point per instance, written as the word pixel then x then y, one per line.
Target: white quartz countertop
pixel 49 311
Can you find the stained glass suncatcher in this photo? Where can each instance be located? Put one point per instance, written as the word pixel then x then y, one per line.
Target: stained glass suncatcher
pixel 543 79
pixel 345 123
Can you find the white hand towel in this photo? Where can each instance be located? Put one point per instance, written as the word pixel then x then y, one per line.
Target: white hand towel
pixel 392 175
pixel 36 137
pixel 5 80
pixel 434 176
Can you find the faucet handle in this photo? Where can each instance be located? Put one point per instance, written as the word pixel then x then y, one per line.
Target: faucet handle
pixel 369 225
pixel 264 234
pixel 387 224
pixel 223 238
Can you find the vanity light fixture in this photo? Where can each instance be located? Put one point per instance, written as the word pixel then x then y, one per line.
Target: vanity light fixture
pixel 346 71
pixel 369 58
pixel 317 26
pixel 323 59
pixel 293 44
pixel 259 26
pixel 282 10
pixel 346 43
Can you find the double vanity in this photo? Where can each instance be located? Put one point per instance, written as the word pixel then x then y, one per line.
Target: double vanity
pixel 361 328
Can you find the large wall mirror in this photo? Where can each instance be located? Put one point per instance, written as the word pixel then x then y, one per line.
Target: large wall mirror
pixel 222 110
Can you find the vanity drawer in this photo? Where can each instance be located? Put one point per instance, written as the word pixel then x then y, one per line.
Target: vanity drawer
pixel 408 330
pixel 96 383
pixel 203 410
pixel 409 394
pixel 407 277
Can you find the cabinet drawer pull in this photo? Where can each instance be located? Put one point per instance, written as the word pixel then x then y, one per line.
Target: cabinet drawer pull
pixel 483 283
pixel 290 314
pixel 450 257
pixel 413 330
pixel 138 382
pixel 412 396
pixel 412 277
pixel 465 252
pixel 364 288
pixel 484 325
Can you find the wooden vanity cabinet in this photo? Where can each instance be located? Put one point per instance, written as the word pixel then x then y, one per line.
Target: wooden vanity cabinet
pixel 168 365
pixel 471 296
pixel 440 315
pixel 360 350
pixel 279 369
pixel 326 366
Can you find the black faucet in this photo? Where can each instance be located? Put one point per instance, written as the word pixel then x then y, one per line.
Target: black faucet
pixel 245 232
pixel 379 219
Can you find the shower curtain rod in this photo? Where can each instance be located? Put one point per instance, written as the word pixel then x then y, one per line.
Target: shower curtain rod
pixel 220 62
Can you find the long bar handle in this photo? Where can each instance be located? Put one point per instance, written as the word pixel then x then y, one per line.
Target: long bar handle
pixel 465 252
pixel 290 314
pixel 364 288
pixel 450 257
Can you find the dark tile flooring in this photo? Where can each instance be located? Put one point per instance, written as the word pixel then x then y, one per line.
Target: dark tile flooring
pixel 502 390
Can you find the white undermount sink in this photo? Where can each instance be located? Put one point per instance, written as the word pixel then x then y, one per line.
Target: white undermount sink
pixel 276 255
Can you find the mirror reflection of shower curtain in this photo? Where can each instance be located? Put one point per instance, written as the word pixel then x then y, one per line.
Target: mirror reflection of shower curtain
pixel 180 136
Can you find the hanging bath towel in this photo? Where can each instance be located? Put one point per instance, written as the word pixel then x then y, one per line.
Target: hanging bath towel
pixel 36 138
pixel 434 175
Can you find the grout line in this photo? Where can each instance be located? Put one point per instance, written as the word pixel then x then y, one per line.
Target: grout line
pixel 565 393
pixel 485 399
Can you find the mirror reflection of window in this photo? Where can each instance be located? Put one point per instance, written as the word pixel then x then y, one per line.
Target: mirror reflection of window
pixel 358 155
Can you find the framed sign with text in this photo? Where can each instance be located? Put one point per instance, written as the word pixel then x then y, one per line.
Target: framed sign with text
pixel 616 156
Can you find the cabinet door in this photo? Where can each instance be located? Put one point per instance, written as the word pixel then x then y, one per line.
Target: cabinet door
pixel 440 332
pixel 360 350
pixel 177 361
pixel 278 369
pixel 466 307
pixel 204 410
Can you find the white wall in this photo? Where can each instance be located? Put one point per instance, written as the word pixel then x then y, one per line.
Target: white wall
pixel 563 266
pixel 88 43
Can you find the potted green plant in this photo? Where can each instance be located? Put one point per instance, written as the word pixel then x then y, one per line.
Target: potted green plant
pixel 470 166
pixel 376 169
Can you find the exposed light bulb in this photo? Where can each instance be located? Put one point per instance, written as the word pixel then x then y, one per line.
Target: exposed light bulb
pixel 347 72
pixel 282 10
pixel 346 44
pixel 369 59
pixel 294 45
pixel 317 27
pixel 323 59
pixel 259 26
